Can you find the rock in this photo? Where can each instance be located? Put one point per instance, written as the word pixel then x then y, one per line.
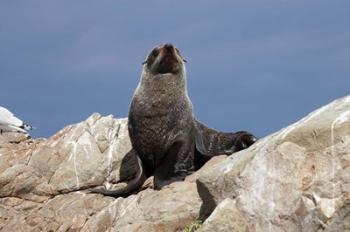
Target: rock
pixel 78 157
pixel 297 179
pixel 213 161
pixel 13 138
pixel 225 217
pixel 62 213
pixel 42 183
pixel 165 210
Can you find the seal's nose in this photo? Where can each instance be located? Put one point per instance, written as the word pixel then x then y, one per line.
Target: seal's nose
pixel 168 47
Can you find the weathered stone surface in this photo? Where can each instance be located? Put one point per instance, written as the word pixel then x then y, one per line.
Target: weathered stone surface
pixel 225 217
pixel 42 183
pixel 67 212
pixel 212 162
pixel 297 179
pixel 167 210
pixel 87 154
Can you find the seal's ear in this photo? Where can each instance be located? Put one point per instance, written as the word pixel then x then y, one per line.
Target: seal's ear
pixel 145 62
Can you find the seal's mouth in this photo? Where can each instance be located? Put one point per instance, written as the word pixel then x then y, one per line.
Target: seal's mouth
pixel 168 62
pixel 164 59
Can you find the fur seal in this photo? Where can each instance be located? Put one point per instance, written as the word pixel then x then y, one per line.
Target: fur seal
pixel 170 143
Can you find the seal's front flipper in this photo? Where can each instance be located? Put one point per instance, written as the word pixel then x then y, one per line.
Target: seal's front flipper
pixel 210 142
pixel 176 165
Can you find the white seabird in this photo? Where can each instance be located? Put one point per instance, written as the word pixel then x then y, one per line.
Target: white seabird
pixel 9 122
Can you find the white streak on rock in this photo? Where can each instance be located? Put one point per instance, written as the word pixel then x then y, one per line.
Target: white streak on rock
pixel 329 209
pixel 73 155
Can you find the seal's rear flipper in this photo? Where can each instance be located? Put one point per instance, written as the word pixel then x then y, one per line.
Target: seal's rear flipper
pixel 133 185
pixel 210 142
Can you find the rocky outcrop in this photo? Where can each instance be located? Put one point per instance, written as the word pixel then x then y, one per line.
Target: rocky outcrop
pixel 43 182
pixel 297 179
pixel 87 154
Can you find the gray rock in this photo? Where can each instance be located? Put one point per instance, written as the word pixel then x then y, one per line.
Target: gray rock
pixel 170 209
pixel 80 156
pixel 42 183
pixel 225 217
pixel 297 179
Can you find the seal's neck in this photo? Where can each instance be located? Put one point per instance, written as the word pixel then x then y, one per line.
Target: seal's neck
pixel 163 83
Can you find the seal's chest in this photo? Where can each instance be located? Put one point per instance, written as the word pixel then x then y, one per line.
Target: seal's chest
pixel 157 104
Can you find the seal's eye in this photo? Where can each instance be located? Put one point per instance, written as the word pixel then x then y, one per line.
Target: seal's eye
pixel 154 53
pixel 152 56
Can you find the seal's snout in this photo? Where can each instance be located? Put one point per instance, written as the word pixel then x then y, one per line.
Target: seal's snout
pixel 168 50
pixel 168 47
pixel 164 59
pixel 167 60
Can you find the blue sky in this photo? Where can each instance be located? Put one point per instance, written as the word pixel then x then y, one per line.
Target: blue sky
pixel 257 65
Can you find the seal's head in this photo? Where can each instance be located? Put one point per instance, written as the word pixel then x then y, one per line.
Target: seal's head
pixel 164 59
